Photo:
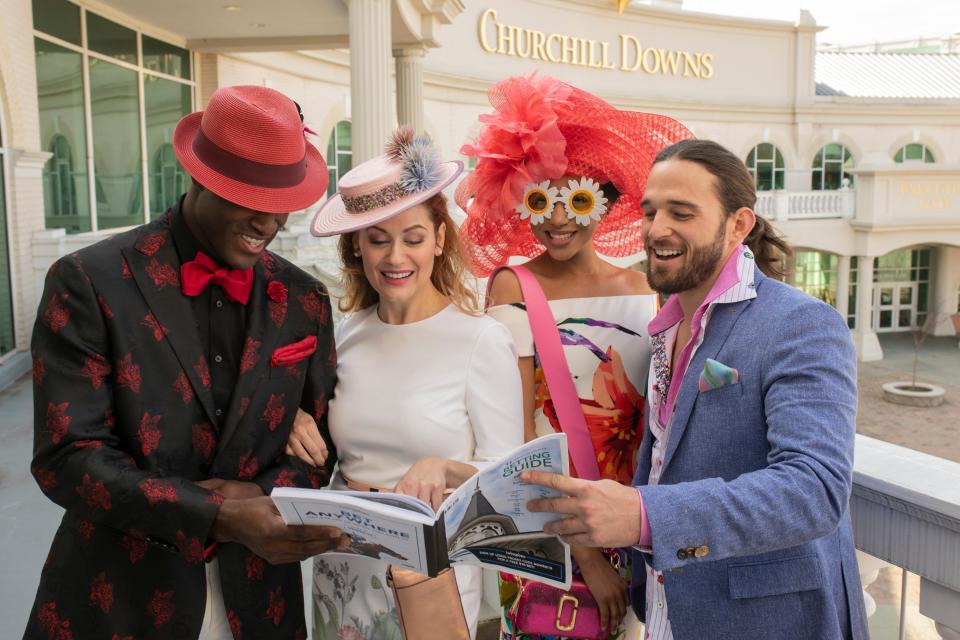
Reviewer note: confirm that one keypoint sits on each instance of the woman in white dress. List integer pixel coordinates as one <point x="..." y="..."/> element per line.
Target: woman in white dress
<point x="573" y="191"/>
<point x="427" y="388"/>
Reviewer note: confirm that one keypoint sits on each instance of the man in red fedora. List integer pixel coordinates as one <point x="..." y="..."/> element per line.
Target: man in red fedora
<point x="168" y="363"/>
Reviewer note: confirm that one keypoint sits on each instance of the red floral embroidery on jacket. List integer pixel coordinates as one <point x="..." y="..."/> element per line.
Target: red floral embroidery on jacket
<point x="135" y="547"/>
<point x="151" y="243"/>
<point x="161" y="607"/>
<point x="312" y="306"/>
<point x="162" y="274"/>
<point x="203" y="371"/>
<point x="56" y="315"/>
<point x="95" y="494"/>
<point x="158" y="491"/>
<point x="235" y="626"/>
<point x="182" y="388"/>
<point x="57" y="420"/>
<point x="204" y="440"/>
<point x="244" y="403"/>
<point x="51" y="624"/>
<point x="278" y="310"/>
<point x="150" y="322"/>
<point x="248" y="467"/>
<point x="104" y="309"/>
<point x="149" y="433"/>
<point x="190" y="547"/>
<point x="319" y="408"/>
<point x="277" y="606"/>
<point x="46" y="479"/>
<point x="125" y="269"/>
<point x="254" y="566"/>
<point x="86" y="529"/>
<point x="95" y="369"/>
<point x="101" y="592"/>
<point x="39" y="371"/>
<point x="128" y="373"/>
<point x="250" y="354"/>
<point x="273" y="414"/>
<point x="286" y="478"/>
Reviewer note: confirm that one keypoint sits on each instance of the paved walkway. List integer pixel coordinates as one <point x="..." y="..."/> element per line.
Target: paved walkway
<point x="28" y="520"/>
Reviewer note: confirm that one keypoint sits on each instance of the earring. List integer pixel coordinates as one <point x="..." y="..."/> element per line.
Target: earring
<point x="439" y="252"/>
<point x="356" y="254"/>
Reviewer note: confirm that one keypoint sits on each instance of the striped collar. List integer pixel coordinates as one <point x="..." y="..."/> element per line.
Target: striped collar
<point x="734" y="284"/>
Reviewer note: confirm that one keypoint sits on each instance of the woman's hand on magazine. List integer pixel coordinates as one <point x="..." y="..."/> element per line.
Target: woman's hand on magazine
<point x="305" y="440"/>
<point x="426" y="479"/>
<point x="605" y="584"/>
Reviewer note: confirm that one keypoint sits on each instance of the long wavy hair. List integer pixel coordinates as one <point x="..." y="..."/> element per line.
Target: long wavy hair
<point x="449" y="274"/>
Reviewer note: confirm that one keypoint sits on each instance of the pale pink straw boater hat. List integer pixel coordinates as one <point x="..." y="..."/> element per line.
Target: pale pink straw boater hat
<point x="409" y="172"/>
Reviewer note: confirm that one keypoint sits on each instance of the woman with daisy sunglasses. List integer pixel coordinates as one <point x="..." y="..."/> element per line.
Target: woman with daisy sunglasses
<point x="559" y="179"/>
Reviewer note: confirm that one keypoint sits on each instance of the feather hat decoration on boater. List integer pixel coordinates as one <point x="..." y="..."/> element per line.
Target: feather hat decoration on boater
<point x="542" y="129"/>
<point x="408" y="173"/>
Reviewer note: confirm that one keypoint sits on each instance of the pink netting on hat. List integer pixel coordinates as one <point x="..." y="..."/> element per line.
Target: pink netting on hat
<point x="543" y="129"/>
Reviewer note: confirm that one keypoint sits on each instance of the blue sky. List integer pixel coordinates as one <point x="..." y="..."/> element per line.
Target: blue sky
<point x="851" y="21"/>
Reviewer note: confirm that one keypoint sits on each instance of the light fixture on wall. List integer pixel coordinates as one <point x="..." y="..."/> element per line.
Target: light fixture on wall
<point x="231" y="7"/>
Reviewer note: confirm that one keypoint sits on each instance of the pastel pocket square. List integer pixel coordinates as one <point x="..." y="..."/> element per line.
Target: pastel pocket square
<point x="716" y="374"/>
<point x="294" y="352"/>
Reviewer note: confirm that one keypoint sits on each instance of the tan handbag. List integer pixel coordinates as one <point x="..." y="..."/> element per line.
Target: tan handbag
<point x="428" y="607"/>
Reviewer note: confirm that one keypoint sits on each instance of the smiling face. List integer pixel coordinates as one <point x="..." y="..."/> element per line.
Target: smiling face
<point x="562" y="237"/>
<point x="233" y="234"/>
<point x="398" y="255"/>
<point x="686" y="232"/>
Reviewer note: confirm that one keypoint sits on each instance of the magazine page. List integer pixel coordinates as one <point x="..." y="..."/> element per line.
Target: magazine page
<point x="400" y="536"/>
<point x="487" y="521"/>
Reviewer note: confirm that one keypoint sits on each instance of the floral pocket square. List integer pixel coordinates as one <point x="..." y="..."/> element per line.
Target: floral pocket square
<point x="716" y="374"/>
<point x="294" y="352"/>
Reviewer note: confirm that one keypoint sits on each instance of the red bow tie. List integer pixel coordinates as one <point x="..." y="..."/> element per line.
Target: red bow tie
<point x="197" y="275"/>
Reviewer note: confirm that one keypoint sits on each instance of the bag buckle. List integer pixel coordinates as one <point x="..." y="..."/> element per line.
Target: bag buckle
<point x="575" y="602"/>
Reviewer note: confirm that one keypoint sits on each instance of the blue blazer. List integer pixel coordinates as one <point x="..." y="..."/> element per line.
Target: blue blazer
<point x="757" y="476"/>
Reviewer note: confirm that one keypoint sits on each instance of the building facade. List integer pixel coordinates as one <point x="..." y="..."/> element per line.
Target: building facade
<point x="856" y="154"/>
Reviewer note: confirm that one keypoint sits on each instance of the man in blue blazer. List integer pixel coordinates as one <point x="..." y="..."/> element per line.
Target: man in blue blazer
<point x="740" y="515"/>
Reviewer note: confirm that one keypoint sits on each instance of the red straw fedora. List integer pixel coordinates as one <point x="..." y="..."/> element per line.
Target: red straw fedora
<point x="249" y="147"/>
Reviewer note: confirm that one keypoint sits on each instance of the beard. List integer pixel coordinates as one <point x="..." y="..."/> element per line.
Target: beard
<point x="701" y="263"/>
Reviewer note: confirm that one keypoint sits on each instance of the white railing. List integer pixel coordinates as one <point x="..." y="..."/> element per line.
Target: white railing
<point x="806" y="205"/>
<point x="906" y="513"/>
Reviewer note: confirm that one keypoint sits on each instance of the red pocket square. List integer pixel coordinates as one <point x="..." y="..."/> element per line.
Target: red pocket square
<point x="293" y="352"/>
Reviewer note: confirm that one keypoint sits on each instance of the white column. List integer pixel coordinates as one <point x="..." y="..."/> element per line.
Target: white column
<point x="370" y="93"/>
<point x="864" y="337"/>
<point x="410" y="86"/>
<point x="843" y="286"/>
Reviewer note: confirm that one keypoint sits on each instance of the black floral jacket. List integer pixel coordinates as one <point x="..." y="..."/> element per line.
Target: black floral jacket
<point x="123" y="427"/>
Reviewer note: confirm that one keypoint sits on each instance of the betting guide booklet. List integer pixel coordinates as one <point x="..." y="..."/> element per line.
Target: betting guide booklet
<point x="485" y="521"/>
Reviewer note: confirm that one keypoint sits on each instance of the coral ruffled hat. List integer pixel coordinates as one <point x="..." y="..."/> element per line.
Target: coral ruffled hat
<point x="542" y="129"/>
<point x="249" y="147"/>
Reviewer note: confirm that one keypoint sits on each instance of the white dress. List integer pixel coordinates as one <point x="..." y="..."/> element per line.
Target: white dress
<point x="445" y="386"/>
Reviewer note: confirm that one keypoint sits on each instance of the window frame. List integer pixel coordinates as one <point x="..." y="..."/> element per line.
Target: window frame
<point x="87" y="54"/>
<point x="926" y="155"/>
<point x="821" y="170"/>
<point x="333" y="162"/>
<point x="778" y="171"/>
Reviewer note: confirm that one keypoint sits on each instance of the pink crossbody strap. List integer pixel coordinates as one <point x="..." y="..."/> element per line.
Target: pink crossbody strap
<point x="546" y="337"/>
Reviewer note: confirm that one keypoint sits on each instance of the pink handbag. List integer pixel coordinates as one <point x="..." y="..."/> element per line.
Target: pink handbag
<point x="540" y="609"/>
<point x="547" y="611"/>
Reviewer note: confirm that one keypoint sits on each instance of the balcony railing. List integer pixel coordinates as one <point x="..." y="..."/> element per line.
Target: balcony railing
<point x="806" y="205"/>
<point x="906" y="512"/>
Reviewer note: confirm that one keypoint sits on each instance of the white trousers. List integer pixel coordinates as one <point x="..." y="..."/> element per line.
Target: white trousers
<point x="215" y="624"/>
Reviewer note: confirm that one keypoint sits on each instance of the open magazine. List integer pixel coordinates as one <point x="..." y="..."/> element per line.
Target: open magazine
<point x="485" y="521"/>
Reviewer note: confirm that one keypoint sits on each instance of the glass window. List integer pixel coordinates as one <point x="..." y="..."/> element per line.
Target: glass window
<point x="6" y="294"/>
<point x="115" y="111"/>
<point x="165" y="58"/>
<point x="830" y="167"/>
<point x="339" y="154"/>
<point x="63" y="133"/>
<point x="59" y="18"/>
<point x="165" y="102"/>
<point x="111" y="39"/>
<point x="852" y="300"/>
<point x="816" y="274"/>
<point x="914" y="152"/>
<point x="766" y="164"/>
